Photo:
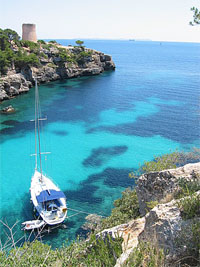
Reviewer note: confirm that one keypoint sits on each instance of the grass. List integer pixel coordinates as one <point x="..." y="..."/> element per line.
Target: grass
<point x="189" y="202"/>
<point x="190" y="206"/>
<point x="95" y="252"/>
<point x="146" y="255"/>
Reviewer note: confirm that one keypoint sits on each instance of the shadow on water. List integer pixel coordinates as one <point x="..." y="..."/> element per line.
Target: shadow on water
<point x="100" y="155"/>
<point x="163" y="123"/>
<point x="111" y="177"/>
<point x="10" y="122"/>
<point x="61" y="133"/>
<point x="18" y="129"/>
<point x="59" y="105"/>
<point x="86" y="92"/>
<point x="85" y="193"/>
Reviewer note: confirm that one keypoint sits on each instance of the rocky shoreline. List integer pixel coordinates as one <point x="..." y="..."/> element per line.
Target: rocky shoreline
<point x="80" y="62"/>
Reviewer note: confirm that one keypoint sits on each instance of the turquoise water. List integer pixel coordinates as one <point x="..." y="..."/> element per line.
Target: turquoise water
<point x="101" y="128"/>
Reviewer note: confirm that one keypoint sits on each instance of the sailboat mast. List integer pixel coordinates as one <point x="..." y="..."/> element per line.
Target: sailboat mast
<point x="35" y="125"/>
<point x="38" y="125"/>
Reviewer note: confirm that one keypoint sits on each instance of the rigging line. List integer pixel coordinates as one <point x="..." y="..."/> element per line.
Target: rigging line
<point x="38" y="130"/>
<point x="35" y="127"/>
<point x="80" y="211"/>
<point x="73" y="215"/>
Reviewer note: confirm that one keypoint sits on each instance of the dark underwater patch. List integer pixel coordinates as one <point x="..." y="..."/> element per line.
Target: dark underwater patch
<point x="111" y="177"/>
<point x="101" y="155"/>
<point x="114" y="177"/>
<point x="164" y="123"/>
<point x="10" y="122"/>
<point x="84" y="194"/>
<point x="18" y="128"/>
<point x="61" y="133"/>
<point x="50" y="85"/>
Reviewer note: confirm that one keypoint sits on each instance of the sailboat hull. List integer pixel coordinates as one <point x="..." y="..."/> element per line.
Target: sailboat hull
<point x="48" y="200"/>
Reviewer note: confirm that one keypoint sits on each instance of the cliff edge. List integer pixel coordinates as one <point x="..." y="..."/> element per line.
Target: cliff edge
<point x="48" y="62"/>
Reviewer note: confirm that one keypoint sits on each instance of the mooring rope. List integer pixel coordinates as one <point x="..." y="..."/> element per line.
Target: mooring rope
<point x="73" y="215"/>
<point x="80" y="211"/>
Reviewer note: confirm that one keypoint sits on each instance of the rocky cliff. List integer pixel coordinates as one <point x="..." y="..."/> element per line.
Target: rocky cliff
<point x="54" y="62"/>
<point x="173" y="225"/>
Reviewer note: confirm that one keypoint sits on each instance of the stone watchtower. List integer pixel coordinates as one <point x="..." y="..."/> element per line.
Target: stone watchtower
<point x="29" y="32"/>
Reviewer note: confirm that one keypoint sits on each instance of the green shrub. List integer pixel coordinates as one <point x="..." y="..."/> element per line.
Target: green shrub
<point x="96" y="252"/>
<point x="12" y="35"/>
<point x="65" y="56"/>
<point x="22" y="59"/>
<point x="46" y="46"/>
<point x="79" y="42"/>
<point x="82" y="56"/>
<point x="41" y="42"/>
<point x="43" y="55"/>
<point x="5" y="63"/>
<point x="189" y="238"/>
<point x="196" y="236"/>
<point x="51" y="65"/>
<point x="146" y="255"/>
<point x="29" y="44"/>
<point x="167" y="161"/>
<point x="126" y="208"/>
<point x="152" y="204"/>
<point x="7" y="37"/>
<point x="187" y="187"/>
<point x="31" y="254"/>
<point x="53" y="42"/>
<point x="190" y="206"/>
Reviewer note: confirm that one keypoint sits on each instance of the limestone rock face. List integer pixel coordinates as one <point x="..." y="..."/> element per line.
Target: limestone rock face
<point x="52" y="68"/>
<point x="162" y="224"/>
<point x="131" y="238"/>
<point x="165" y="228"/>
<point x="13" y="85"/>
<point x="155" y="186"/>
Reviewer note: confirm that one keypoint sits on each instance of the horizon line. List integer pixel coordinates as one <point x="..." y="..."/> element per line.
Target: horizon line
<point x="120" y="39"/>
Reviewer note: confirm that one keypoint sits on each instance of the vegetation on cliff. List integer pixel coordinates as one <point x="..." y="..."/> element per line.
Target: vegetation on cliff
<point x="93" y="252"/>
<point x="18" y="54"/>
<point x="13" y="52"/>
<point x="22" y="61"/>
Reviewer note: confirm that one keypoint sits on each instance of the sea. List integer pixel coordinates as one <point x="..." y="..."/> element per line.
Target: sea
<point x="99" y="129"/>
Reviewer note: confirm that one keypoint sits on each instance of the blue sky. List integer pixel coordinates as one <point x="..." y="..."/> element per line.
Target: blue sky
<point x="162" y="20"/>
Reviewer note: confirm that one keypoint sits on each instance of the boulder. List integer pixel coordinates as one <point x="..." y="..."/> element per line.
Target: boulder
<point x="93" y="222"/>
<point x="13" y="85"/>
<point x="3" y="95"/>
<point x="155" y="186"/>
<point x="130" y="236"/>
<point x="165" y="228"/>
<point x="8" y="109"/>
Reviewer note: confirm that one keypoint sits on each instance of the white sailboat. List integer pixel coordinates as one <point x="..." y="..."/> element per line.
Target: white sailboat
<point x="47" y="198"/>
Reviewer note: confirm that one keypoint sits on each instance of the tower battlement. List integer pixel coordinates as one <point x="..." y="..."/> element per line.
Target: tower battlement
<point x="29" y="32"/>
